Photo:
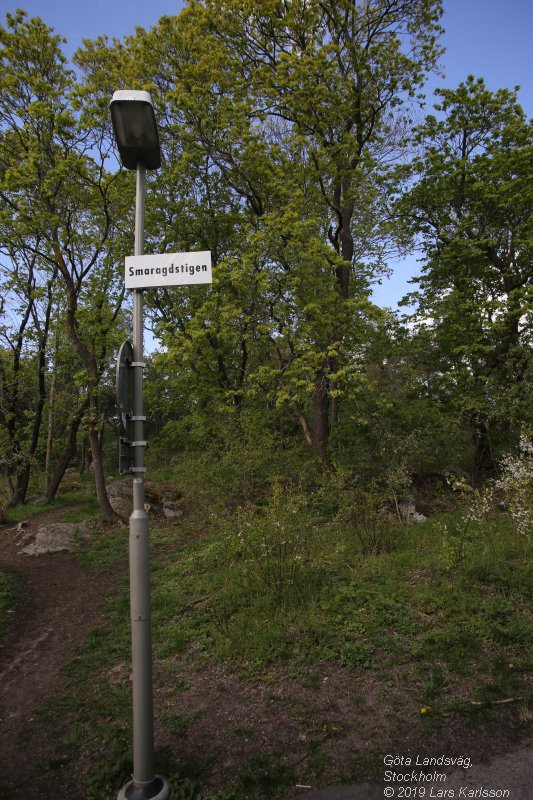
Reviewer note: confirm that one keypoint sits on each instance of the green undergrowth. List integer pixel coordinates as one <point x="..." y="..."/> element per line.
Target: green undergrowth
<point x="276" y="584"/>
<point x="78" y="498"/>
<point x="108" y="550"/>
<point x="282" y="586"/>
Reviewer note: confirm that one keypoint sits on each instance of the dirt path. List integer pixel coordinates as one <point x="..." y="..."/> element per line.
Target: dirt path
<point x="61" y="604"/>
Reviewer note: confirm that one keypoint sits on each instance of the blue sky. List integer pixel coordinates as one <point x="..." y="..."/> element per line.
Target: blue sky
<point x="487" y="38"/>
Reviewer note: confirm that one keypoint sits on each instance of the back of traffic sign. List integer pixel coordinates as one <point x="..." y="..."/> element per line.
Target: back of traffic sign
<point x="125" y="406"/>
<point x="125" y="386"/>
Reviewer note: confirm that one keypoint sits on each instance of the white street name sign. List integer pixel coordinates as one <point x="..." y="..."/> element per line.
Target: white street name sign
<point x="168" y="269"/>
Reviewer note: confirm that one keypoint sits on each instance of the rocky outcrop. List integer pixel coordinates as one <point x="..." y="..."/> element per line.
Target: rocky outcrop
<point x="120" y="495"/>
<point x="410" y="514"/>
<point x="162" y="501"/>
<point x="56" y="537"/>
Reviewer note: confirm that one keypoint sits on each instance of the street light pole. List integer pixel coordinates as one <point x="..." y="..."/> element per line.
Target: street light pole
<point x="130" y="115"/>
<point x="141" y="636"/>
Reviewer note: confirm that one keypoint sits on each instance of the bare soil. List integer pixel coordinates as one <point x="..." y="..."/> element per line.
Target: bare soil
<point x="326" y="726"/>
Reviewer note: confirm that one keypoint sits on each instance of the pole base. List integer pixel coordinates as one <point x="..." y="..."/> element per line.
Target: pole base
<point x="156" y="790"/>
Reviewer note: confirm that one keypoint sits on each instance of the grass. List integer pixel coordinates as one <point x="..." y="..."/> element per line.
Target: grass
<point x="349" y="612"/>
<point x="106" y="550"/>
<point x="77" y="495"/>
<point x="440" y="618"/>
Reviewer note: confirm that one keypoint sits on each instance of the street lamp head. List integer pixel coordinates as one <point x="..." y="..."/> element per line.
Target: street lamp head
<point x="135" y="128"/>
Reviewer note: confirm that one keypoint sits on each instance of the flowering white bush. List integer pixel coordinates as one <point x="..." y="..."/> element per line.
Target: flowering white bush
<point x="516" y="483"/>
<point x="480" y="504"/>
<point x="514" y="486"/>
<point x="271" y="544"/>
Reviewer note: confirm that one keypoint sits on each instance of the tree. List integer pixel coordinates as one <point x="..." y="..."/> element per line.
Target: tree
<point x="294" y="109"/>
<point x="26" y="308"/>
<point x="28" y="287"/>
<point x="59" y="206"/>
<point x="471" y="207"/>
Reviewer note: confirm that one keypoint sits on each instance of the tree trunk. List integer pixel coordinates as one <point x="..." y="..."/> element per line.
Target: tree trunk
<point x="50" y="433"/>
<point x="303" y="422"/>
<point x="106" y="508"/>
<point x="24" y="471"/>
<point x="51" y="401"/>
<point x="320" y="429"/>
<point x="68" y="454"/>
<point x="9" y="486"/>
<point x="89" y="360"/>
<point x="21" y="488"/>
<point x="325" y="407"/>
<point x="483" y="458"/>
<point x="85" y="456"/>
<point x="333" y="406"/>
<point x="101" y="431"/>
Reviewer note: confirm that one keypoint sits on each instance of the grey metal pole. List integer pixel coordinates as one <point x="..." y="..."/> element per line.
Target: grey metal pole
<point x="141" y="637"/>
<point x="146" y="785"/>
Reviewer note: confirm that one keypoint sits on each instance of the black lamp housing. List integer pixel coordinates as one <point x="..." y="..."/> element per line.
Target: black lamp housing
<point x="135" y="128"/>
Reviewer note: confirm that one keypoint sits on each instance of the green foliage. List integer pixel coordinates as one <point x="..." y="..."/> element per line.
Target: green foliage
<point x="59" y="208"/>
<point x="229" y="587"/>
<point x="272" y="171"/>
<point x="516" y="485"/>
<point x="439" y="617"/>
<point x="108" y="550"/>
<point x="79" y="495"/>
<point x="462" y="533"/>
<point x="270" y="545"/>
<point x="269" y="169"/>
<point x="471" y="207"/>
<point x="87" y="509"/>
<point x="282" y="571"/>
<point x="291" y="416"/>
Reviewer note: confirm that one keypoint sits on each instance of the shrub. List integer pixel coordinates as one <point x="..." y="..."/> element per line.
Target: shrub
<point x="516" y="485"/>
<point x="271" y="543"/>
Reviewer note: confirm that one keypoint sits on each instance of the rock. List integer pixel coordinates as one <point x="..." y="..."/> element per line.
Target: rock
<point x="158" y="503"/>
<point x="458" y="481"/>
<point x="36" y="500"/>
<point x="410" y="514"/>
<point x="171" y="510"/>
<point x="58" y="536"/>
<point x="120" y="495"/>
